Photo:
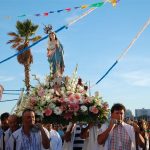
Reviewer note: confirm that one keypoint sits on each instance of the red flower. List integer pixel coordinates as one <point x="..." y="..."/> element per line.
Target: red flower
<point x="47" y="112"/>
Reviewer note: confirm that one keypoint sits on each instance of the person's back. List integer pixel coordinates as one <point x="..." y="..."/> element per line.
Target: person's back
<point x="78" y="142"/>
<point x="90" y="134"/>
<point x="55" y="140"/>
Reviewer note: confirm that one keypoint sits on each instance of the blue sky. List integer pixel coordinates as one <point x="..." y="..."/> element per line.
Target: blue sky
<point x="94" y="43"/>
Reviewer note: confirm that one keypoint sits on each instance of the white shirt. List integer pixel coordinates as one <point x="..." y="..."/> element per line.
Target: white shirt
<point x="55" y="140"/>
<point x="128" y="128"/>
<point x="21" y="140"/>
<point x="91" y="142"/>
<point x="7" y="135"/>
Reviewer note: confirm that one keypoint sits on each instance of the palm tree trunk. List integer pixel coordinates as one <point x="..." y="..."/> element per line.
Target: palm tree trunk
<point x="27" y="76"/>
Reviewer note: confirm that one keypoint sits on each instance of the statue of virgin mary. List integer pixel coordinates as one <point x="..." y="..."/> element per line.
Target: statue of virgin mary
<point x="55" y="55"/>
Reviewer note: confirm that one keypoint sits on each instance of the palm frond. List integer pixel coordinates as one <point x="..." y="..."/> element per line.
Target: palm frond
<point x="15" y="45"/>
<point x="13" y="34"/>
<point x="34" y="39"/>
<point x="16" y="40"/>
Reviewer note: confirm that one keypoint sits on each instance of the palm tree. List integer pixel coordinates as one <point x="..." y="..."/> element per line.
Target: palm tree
<point x="21" y="40"/>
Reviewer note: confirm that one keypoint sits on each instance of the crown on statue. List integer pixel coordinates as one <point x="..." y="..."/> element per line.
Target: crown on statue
<point x="48" y="29"/>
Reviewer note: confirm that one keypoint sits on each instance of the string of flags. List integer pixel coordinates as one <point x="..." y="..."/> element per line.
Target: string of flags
<point x="68" y="9"/>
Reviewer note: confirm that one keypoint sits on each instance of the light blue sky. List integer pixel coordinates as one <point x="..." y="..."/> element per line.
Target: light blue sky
<point x="94" y="43"/>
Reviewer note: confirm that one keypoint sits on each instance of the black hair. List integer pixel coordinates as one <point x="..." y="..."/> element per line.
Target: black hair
<point x="4" y="116"/>
<point x="27" y="110"/>
<point x="118" y="106"/>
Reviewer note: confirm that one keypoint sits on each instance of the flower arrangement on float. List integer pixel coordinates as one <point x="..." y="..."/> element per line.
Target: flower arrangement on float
<point x="64" y="99"/>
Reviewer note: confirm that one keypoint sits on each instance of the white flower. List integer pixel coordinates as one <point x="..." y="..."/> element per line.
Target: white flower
<point x="63" y="89"/>
<point x="69" y="88"/>
<point x="80" y="101"/>
<point x="66" y="100"/>
<point x="42" y="102"/>
<point x="83" y="108"/>
<point x="48" y="98"/>
<point x="98" y="102"/>
<point x="57" y="111"/>
<point x="80" y="89"/>
<point x="38" y="113"/>
<point x="52" y="105"/>
<point x="51" y="91"/>
<point x="51" y="84"/>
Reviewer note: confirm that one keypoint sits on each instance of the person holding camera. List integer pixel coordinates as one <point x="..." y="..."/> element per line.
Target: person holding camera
<point x="30" y="136"/>
<point x="117" y="135"/>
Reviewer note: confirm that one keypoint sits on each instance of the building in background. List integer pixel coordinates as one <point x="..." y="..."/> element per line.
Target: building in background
<point x="142" y="114"/>
<point x="129" y="114"/>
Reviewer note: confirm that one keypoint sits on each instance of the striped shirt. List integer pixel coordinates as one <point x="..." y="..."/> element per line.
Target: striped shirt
<point x="78" y="142"/>
<point x="30" y="143"/>
<point x="22" y="142"/>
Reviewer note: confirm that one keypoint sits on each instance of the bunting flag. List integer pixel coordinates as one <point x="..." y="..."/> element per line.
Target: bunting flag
<point x="113" y="2"/>
<point x="1" y="91"/>
<point x="68" y="9"/>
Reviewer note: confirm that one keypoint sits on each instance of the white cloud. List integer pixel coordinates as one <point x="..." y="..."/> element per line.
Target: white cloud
<point x="6" y="78"/>
<point x="137" y="78"/>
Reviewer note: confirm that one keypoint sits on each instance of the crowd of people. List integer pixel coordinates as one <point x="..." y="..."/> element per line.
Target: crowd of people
<point x="33" y="133"/>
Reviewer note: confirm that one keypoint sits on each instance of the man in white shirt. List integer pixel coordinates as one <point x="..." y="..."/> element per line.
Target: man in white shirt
<point x="55" y="139"/>
<point x="117" y="134"/>
<point x="30" y="136"/>
<point x="13" y="123"/>
<point x="90" y="134"/>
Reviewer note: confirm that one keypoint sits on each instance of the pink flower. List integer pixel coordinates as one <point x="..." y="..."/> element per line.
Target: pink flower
<point x="63" y="107"/>
<point x="33" y="101"/>
<point x="47" y="112"/>
<point x="61" y="100"/>
<point x="94" y="110"/>
<point x="41" y="92"/>
<point x="77" y="96"/>
<point x="74" y="107"/>
<point x="71" y="98"/>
